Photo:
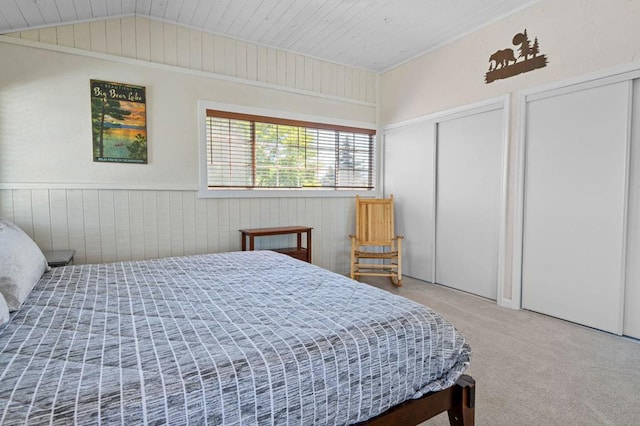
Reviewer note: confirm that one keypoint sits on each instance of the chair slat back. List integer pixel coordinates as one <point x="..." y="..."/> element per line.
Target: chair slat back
<point x="374" y="221"/>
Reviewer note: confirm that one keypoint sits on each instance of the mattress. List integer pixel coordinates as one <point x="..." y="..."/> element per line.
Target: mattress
<point x="241" y="338"/>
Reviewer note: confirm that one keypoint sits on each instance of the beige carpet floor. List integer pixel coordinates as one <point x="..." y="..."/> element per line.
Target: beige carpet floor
<point x="531" y="369"/>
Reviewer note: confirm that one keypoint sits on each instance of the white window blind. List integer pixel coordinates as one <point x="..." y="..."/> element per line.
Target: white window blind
<point x="248" y="151"/>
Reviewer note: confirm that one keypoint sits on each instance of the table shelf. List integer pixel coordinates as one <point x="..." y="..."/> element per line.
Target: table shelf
<point x="299" y="251"/>
<point x="56" y="258"/>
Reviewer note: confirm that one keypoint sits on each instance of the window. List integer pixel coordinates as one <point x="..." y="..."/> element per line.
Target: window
<point x="250" y="151"/>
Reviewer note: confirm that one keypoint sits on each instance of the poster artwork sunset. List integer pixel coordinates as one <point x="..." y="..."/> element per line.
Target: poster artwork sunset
<point x="119" y="122"/>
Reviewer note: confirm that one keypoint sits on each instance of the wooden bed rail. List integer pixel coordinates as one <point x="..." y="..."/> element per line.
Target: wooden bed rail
<point x="458" y="400"/>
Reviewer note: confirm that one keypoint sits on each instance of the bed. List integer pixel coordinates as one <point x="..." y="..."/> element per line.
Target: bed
<point x="232" y="338"/>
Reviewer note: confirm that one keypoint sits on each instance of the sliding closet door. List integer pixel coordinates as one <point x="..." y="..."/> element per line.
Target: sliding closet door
<point x="408" y="166"/>
<point x="632" y="290"/>
<point x="469" y="176"/>
<point x="574" y="205"/>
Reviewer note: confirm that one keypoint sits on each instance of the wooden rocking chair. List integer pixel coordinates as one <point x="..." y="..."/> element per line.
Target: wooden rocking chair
<point x="375" y="239"/>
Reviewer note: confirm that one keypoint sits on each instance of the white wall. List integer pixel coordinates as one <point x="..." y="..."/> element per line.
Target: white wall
<point x="51" y="187"/>
<point x="105" y="225"/>
<point x="46" y="116"/>
<point x="578" y="37"/>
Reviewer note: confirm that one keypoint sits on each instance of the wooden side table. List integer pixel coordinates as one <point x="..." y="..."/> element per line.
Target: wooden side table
<point x="299" y="252"/>
<point x="57" y="258"/>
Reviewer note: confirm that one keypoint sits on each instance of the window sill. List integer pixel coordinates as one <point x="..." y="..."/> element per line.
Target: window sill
<point x="282" y="193"/>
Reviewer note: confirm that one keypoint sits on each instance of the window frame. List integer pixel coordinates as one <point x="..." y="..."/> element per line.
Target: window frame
<point x="206" y="192"/>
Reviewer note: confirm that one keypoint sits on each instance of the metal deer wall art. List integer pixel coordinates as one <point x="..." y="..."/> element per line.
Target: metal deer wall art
<point x="504" y="63"/>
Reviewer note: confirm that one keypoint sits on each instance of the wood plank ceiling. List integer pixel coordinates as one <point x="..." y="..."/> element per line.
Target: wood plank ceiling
<point x="371" y="34"/>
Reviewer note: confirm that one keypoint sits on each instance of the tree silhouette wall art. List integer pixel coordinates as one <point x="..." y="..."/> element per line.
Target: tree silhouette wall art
<point x="504" y="63"/>
<point x="119" y="122"/>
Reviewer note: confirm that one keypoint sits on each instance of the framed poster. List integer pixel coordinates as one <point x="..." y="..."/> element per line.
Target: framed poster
<point x="119" y="122"/>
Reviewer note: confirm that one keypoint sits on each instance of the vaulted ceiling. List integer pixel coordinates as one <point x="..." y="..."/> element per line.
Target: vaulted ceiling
<point x="372" y="34"/>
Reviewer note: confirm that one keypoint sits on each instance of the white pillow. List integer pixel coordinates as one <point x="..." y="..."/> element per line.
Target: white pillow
<point x="4" y="311"/>
<point x="21" y="264"/>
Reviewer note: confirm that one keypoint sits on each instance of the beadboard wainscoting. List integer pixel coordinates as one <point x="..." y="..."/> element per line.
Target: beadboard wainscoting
<point x="160" y="42"/>
<point x="107" y="225"/>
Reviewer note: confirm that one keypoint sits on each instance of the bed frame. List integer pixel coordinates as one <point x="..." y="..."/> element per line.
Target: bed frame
<point x="458" y="400"/>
